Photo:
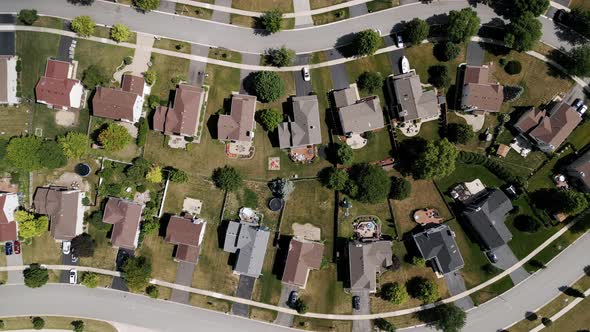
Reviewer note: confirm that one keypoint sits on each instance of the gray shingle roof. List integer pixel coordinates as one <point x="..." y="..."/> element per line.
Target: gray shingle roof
<point x="438" y="245"/>
<point x="365" y="115"/>
<point x="413" y="101"/>
<point x="250" y="243"/>
<point x="365" y="260"/>
<point x="487" y="215"/>
<point x="304" y="128"/>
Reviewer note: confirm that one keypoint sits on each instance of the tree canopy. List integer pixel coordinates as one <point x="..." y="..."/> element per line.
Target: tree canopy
<point x="449" y="317"/>
<point x="227" y="178"/>
<point x="370" y="81"/>
<point x="384" y="325"/>
<point x="150" y="76"/>
<point x="271" y="21"/>
<point x="535" y="7"/>
<point x="417" y="30"/>
<point x="571" y="202"/>
<point x="146" y="5"/>
<point x="114" y="137"/>
<point x="523" y="32"/>
<point x="83" y="25"/>
<point x="334" y="178"/>
<point x="136" y="271"/>
<point x="28" y="16"/>
<point x="423" y="289"/>
<point x="460" y="133"/>
<point x="23" y="152"/>
<point x="395" y="293"/>
<point x="270" y="119"/>
<point x="155" y="175"/>
<point x="178" y="176"/>
<point x="269" y="86"/>
<point x="436" y="161"/>
<point x="342" y="153"/>
<point x="446" y="51"/>
<point x="366" y="42"/>
<point x="439" y="76"/>
<point x="94" y="76"/>
<point x="74" y="144"/>
<point x="83" y="245"/>
<point x="38" y="323"/>
<point x="280" y="57"/>
<point x="77" y="325"/>
<point x="372" y="183"/>
<point x="526" y="223"/>
<point x="30" y="226"/>
<point x="35" y="276"/>
<point x="578" y="62"/>
<point x="51" y="155"/>
<point x="400" y="188"/>
<point x="579" y="20"/>
<point x="120" y="32"/>
<point x="463" y="25"/>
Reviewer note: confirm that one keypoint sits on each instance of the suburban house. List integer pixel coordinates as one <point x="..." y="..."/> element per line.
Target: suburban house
<point x="125" y="216"/>
<point x="57" y="88"/>
<point x="182" y="118"/>
<point x="486" y="215"/>
<point x="579" y="170"/>
<point x="249" y="242"/>
<point x="365" y="261"/>
<point x="358" y="115"/>
<point x="411" y="102"/>
<point x="8" y="80"/>
<point x="121" y="104"/>
<point x="187" y="234"/>
<point x="479" y="93"/>
<point x="64" y="209"/>
<point x="8" y="227"/>
<point x="238" y="126"/>
<point x="438" y="246"/>
<point x="549" y="129"/>
<point x="303" y="256"/>
<point x="303" y="127"/>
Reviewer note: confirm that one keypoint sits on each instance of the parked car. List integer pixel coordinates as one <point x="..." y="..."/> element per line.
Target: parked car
<point x="16" y="247"/>
<point x="73" y="276"/>
<point x="66" y="246"/>
<point x="399" y="41"/>
<point x="356" y="302"/>
<point x="306" y="76"/>
<point x="577" y="103"/>
<point x="559" y="15"/>
<point x="74" y="257"/>
<point x="8" y="248"/>
<point x="582" y="109"/>
<point x="492" y="257"/>
<point x="293" y="297"/>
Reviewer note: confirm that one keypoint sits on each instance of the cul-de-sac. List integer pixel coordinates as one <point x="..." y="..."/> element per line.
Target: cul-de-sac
<point x="283" y="165"/>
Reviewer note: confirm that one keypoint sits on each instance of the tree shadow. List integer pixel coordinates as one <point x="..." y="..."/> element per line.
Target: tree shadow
<point x="571" y="291"/>
<point x="411" y="148"/>
<point x="567" y="34"/>
<point x="345" y="46"/>
<point x="560" y="57"/>
<point x="249" y="85"/>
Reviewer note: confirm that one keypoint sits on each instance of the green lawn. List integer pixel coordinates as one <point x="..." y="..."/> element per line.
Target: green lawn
<point x="196" y="12"/>
<point x="329" y="17"/>
<point x="168" y="68"/>
<point x="254" y="195"/>
<point x="49" y="22"/>
<point x="56" y="322"/>
<point x="34" y="49"/>
<point x="543" y="178"/>
<point x="42" y="249"/>
<point x="584" y="4"/>
<point x="106" y="56"/>
<point x="323" y="325"/>
<point x="315" y="4"/>
<point x="377" y="5"/>
<point x="127" y="154"/>
<point x="325" y="293"/>
<point x="225" y="55"/>
<point x="285" y="6"/>
<point x="376" y="63"/>
<point x="45" y="118"/>
<point x="159" y="252"/>
<point x="492" y="291"/>
<point x="580" y="138"/>
<point x="378" y="148"/>
<point x="173" y="45"/>
<point x="14" y="121"/>
<point x="104" y="254"/>
<point x="469" y="172"/>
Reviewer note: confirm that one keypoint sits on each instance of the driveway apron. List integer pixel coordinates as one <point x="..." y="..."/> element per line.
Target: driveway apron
<point x="221" y="17"/>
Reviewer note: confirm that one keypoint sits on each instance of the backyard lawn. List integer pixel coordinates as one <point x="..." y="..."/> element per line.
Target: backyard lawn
<point x="378" y="147"/>
<point x="127" y="154"/>
<point x="580" y="137"/>
<point x="254" y="195"/>
<point x="199" y="188"/>
<point x="169" y="71"/>
<point x="45" y="119"/>
<point x="543" y="178"/>
<point x="468" y="172"/>
<point x="33" y="49"/>
<point x="14" y="121"/>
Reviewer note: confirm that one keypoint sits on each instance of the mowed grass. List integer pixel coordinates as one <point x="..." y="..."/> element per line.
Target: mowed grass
<point x="378" y="148"/>
<point x="42" y="249"/>
<point x="45" y="118"/>
<point x="109" y="57"/>
<point x="14" y="121"/>
<point x="584" y="4"/>
<point x="210" y="303"/>
<point x="376" y="63"/>
<point x="173" y="45"/>
<point x="168" y="68"/>
<point x="329" y="17"/>
<point x="267" y="288"/>
<point x="284" y="6"/>
<point x="192" y="11"/>
<point x="56" y="323"/>
<point x="315" y="4"/>
<point x="159" y="252"/>
<point x="314" y="324"/>
<point x="225" y="55"/>
<point x="198" y="188"/>
<point x="254" y="195"/>
<point x="104" y="254"/>
<point x="537" y="78"/>
<point x="377" y="5"/>
<point x="492" y="290"/>
<point x="34" y="49"/>
<point x="421" y="58"/>
<point x="49" y="22"/>
<point x="580" y="137"/>
<point x="324" y="293"/>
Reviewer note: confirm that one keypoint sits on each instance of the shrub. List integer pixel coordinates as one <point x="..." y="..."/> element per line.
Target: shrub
<point x="94" y="76"/>
<point x="400" y="188"/>
<point x="150" y="226"/>
<point x="83" y="25"/>
<point x="280" y="57"/>
<point x="136" y="272"/>
<point x="270" y="119"/>
<point x="546" y="321"/>
<point x="155" y="175"/>
<point x="27" y="16"/>
<point x="334" y="178"/>
<point x="120" y="32"/>
<point x="153" y="101"/>
<point x="38" y="323"/>
<point x="395" y="293"/>
<point x="150" y="76"/>
<point x="438" y="75"/>
<point x="460" y="133"/>
<point x="526" y="223"/>
<point x="77" y="326"/>
<point x="141" y="188"/>
<point x="370" y="81"/>
<point x="269" y="86"/>
<point x="301" y="306"/>
<point x="35" y="276"/>
<point x="227" y="178"/>
<point x="152" y="291"/>
<point x="512" y="93"/>
<point x="271" y="21"/>
<point x="417" y="30"/>
<point x="384" y="325"/>
<point x="372" y="182"/>
<point x="128" y="60"/>
<point x="86" y="201"/>
<point x="147" y="5"/>
<point x="513" y="67"/>
<point x="142" y="132"/>
<point x="395" y="263"/>
<point x="178" y="176"/>
<point x="89" y="279"/>
<point x="423" y="289"/>
<point x="343" y="154"/>
<point x="418" y="261"/>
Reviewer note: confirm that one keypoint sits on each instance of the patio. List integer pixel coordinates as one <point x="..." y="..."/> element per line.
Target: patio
<point x="303" y="154"/>
<point x="427" y="216"/>
<point x="237" y="150"/>
<point x="367" y="227"/>
<point x="177" y="142"/>
<point x="356" y="141"/>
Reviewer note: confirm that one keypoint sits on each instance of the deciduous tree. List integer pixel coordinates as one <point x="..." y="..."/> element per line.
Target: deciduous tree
<point x="269" y="86"/>
<point x="154" y="175"/>
<point x="29" y="226"/>
<point x="77" y="326"/>
<point x="83" y="25"/>
<point x="423" y="289"/>
<point x="370" y="81"/>
<point x="343" y="154"/>
<point x="114" y="137"/>
<point x="400" y="188"/>
<point x="136" y="271"/>
<point x="35" y="276"/>
<point x="150" y="76"/>
<point x="335" y="178"/>
<point x="439" y="76"/>
<point x="271" y="21"/>
<point x="523" y="32"/>
<point x="227" y="178"/>
<point x="178" y="176"/>
<point x="437" y="160"/>
<point x="270" y="119"/>
<point x="578" y="62"/>
<point x="94" y="76"/>
<point x="23" y="153"/>
<point x="27" y="16"/>
<point x="372" y="182"/>
<point x="460" y="133"/>
<point x="52" y="155"/>
<point x="280" y="57"/>
<point x="417" y="30"/>
<point x="449" y="317"/>
<point x="146" y="5"/>
<point x="535" y="7"/>
<point x="74" y="144"/>
<point x="83" y="245"/>
<point x="366" y="42"/>
<point x="463" y="25"/>
<point x="395" y="293"/>
<point x="38" y="323"/>
<point x="120" y="32"/>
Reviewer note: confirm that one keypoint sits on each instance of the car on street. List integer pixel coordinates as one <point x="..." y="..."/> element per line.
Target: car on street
<point x="582" y="109"/>
<point x="8" y="248"/>
<point x="293" y="297"/>
<point x="356" y="302"/>
<point x="399" y="41"/>
<point x="73" y="276"/>
<point x="16" y="247"/>
<point x="66" y="246"/>
<point x="577" y="103"/>
<point x="492" y="256"/>
<point x="305" y="72"/>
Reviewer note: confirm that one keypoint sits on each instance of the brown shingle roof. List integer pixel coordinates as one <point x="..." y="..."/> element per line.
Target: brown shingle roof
<point x="133" y="84"/>
<point x="55" y="87"/>
<point x="479" y="92"/>
<point x="302" y="257"/>
<point x="113" y="104"/>
<point x="239" y="125"/>
<point x="125" y="216"/>
<point x="554" y="129"/>
<point x="63" y="208"/>
<point x="530" y="119"/>
<point x="184" y="116"/>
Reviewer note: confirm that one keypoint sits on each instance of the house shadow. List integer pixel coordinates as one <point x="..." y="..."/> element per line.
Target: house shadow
<point x="341" y="260"/>
<point x="278" y="266"/>
<point x="164" y="221"/>
<point x="221" y="230"/>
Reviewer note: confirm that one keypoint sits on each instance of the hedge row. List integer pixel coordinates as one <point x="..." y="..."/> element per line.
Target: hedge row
<point x="492" y="165"/>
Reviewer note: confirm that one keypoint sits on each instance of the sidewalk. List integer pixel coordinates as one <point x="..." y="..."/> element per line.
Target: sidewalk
<point x="563" y="311"/>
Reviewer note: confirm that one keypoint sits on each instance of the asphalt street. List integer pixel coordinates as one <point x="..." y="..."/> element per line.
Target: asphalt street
<point x="531" y="294"/>
<point x="122" y="307"/>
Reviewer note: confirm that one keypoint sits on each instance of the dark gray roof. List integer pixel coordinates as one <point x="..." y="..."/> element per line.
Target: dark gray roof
<point x="304" y="129"/>
<point x="580" y="169"/>
<point x="414" y="103"/>
<point x="249" y="241"/>
<point x="438" y="245"/>
<point x="365" y="260"/>
<point x="487" y="215"/>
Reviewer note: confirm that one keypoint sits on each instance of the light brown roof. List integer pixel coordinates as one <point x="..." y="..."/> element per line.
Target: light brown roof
<point x="184" y="116"/>
<point x="530" y="119"/>
<point x="503" y="150"/>
<point x="554" y="129"/>
<point x="125" y="216"/>
<point x="133" y="84"/>
<point x="479" y="92"/>
<point x="302" y="257"/>
<point x="239" y="125"/>
<point x="113" y="104"/>
<point x="62" y="207"/>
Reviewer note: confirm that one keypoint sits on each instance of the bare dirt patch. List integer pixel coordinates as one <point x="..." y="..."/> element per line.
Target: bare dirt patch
<point x="307" y="231"/>
<point x="66" y="118"/>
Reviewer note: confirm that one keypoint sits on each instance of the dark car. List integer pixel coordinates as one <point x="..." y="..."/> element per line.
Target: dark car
<point x="16" y="247"/>
<point x="577" y="103"/>
<point x="293" y="297"/>
<point x="492" y="257"/>
<point x="356" y="302"/>
<point x="8" y="248"/>
<point x="560" y="15"/>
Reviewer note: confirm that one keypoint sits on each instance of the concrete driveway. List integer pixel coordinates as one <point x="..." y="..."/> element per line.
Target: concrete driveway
<point x="475" y="54"/>
<point x="15" y="277"/>
<point x="365" y="308"/>
<point x="506" y="259"/>
<point x="196" y="69"/>
<point x="122" y="255"/>
<point x="219" y="16"/>
<point x="456" y="285"/>
<point x="302" y="87"/>
<point x="285" y="319"/>
<point x="184" y="276"/>
<point x="245" y="288"/>
<point x="248" y="58"/>
<point x="63" y="51"/>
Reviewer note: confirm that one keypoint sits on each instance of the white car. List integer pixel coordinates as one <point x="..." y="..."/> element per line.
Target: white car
<point x="582" y="109"/>
<point x="405" y="65"/>
<point x="399" y="41"/>
<point x="306" y="76"/>
<point x="66" y="246"/>
<point x="73" y="277"/>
